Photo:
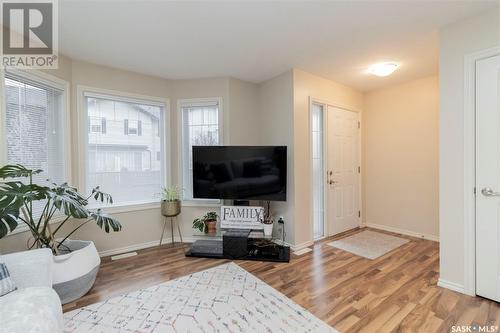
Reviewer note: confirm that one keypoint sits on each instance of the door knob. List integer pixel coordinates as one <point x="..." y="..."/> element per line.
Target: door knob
<point x="488" y="192"/>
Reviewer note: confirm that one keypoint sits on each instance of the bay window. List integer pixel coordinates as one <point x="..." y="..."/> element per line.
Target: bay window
<point x="128" y="159"/>
<point x="200" y="126"/>
<point x="35" y="121"/>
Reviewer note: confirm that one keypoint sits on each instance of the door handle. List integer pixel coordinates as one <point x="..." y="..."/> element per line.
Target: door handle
<point x="488" y="192"/>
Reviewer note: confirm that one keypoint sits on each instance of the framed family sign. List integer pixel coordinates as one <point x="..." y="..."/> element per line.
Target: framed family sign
<point x="241" y="217"/>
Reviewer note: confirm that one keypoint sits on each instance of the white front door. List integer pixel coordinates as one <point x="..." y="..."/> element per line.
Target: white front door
<point x="488" y="178"/>
<point x="342" y="170"/>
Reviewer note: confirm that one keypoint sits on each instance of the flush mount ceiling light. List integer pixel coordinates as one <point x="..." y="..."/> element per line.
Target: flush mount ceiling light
<point x="383" y="68"/>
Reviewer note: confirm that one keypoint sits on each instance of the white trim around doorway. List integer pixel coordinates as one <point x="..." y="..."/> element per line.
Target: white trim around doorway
<point x="470" y="166"/>
<point x="325" y="104"/>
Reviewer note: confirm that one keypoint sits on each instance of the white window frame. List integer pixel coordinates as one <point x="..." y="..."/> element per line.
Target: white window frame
<point x="54" y="82"/>
<point x="86" y="91"/>
<point x="180" y="140"/>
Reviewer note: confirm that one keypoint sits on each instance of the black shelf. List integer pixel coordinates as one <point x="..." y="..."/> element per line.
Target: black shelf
<point x="257" y="249"/>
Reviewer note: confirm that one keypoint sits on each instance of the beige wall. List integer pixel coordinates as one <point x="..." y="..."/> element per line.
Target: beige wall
<point x="457" y="40"/>
<point x="144" y="226"/>
<point x="401" y="161"/>
<point x="306" y="85"/>
<point x="275" y="112"/>
<point x="245" y="116"/>
<point x="276" y="128"/>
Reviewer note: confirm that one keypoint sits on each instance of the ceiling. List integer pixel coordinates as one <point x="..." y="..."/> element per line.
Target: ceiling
<point x="257" y="40"/>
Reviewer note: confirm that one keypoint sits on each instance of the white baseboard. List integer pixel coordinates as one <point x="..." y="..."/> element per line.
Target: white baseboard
<point x="300" y="246"/>
<point x="140" y="246"/>
<point x="402" y="231"/>
<point x="451" y="285"/>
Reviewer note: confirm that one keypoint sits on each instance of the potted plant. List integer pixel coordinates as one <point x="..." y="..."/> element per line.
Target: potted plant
<point x="268" y="221"/>
<point x="207" y="223"/>
<point x="75" y="262"/>
<point x="171" y="203"/>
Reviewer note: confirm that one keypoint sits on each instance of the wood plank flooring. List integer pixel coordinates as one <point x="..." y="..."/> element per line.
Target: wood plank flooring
<point x="394" y="293"/>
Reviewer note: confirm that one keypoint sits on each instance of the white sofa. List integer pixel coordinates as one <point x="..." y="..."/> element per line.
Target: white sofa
<point x="34" y="306"/>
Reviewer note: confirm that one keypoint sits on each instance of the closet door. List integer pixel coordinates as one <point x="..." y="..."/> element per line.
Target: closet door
<point x="488" y="178"/>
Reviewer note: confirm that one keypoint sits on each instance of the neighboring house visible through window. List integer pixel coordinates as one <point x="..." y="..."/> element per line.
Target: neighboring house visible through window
<point x="201" y="126"/>
<point x="126" y="158"/>
<point x="35" y="121"/>
<point x="133" y="127"/>
<point x="97" y="125"/>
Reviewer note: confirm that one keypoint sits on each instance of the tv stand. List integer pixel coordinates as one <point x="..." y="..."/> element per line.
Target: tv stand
<point x="242" y="245"/>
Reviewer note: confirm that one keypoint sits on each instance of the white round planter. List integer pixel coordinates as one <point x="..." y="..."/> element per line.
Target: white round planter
<point x="74" y="273"/>
<point x="268" y="229"/>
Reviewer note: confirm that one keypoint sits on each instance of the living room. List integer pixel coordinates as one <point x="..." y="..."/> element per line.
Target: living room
<point x="215" y="89"/>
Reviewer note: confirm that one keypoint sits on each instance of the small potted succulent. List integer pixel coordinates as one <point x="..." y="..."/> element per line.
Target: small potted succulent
<point x="171" y="203"/>
<point x="268" y="221"/>
<point x="207" y="223"/>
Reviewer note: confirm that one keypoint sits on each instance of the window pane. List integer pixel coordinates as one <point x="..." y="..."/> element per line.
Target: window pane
<point x="200" y="128"/>
<point x="35" y="129"/>
<point x="125" y="159"/>
<point x="318" y="170"/>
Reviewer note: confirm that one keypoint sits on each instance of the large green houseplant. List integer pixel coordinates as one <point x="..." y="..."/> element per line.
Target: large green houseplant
<point x="61" y="201"/>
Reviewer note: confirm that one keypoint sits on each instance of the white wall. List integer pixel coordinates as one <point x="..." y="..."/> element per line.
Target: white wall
<point x="401" y="158"/>
<point x="457" y="40"/>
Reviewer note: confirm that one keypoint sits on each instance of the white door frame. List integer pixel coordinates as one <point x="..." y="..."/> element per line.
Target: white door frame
<point x="470" y="165"/>
<point x="325" y="104"/>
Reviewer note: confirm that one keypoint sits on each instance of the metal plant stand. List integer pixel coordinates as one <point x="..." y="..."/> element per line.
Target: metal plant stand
<point x="171" y="228"/>
<point x="171" y="209"/>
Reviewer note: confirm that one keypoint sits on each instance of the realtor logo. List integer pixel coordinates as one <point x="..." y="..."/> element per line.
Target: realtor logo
<point x="29" y="34"/>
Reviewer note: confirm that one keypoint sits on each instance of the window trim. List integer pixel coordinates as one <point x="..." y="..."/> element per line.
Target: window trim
<point x="82" y="92"/>
<point x="53" y="82"/>
<point x="180" y="140"/>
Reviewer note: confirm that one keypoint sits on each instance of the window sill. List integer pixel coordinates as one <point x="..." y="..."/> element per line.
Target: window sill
<point x="128" y="207"/>
<point x="201" y="203"/>
<point x="22" y="227"/>
<point x="123" y="208"/>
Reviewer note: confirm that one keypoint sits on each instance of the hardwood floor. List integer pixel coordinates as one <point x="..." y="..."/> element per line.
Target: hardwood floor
<point x="394" y="293"/>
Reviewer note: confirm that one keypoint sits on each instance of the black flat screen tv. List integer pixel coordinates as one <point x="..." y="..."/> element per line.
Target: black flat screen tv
<point x="239" y="172"/>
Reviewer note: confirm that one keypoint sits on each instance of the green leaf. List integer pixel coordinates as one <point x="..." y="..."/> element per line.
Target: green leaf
<point x="15" y="194"/>
<point x="8" y="221"/>
<point x="17" y="170"/>
<point x="104" y="220"/>
<point x="101" y="196"/>
<point x="67" y="200"/>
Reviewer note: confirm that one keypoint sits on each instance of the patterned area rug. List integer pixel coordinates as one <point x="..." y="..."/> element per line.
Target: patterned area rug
<point x="225" y="298"/>
<point x="369" y="244"/>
